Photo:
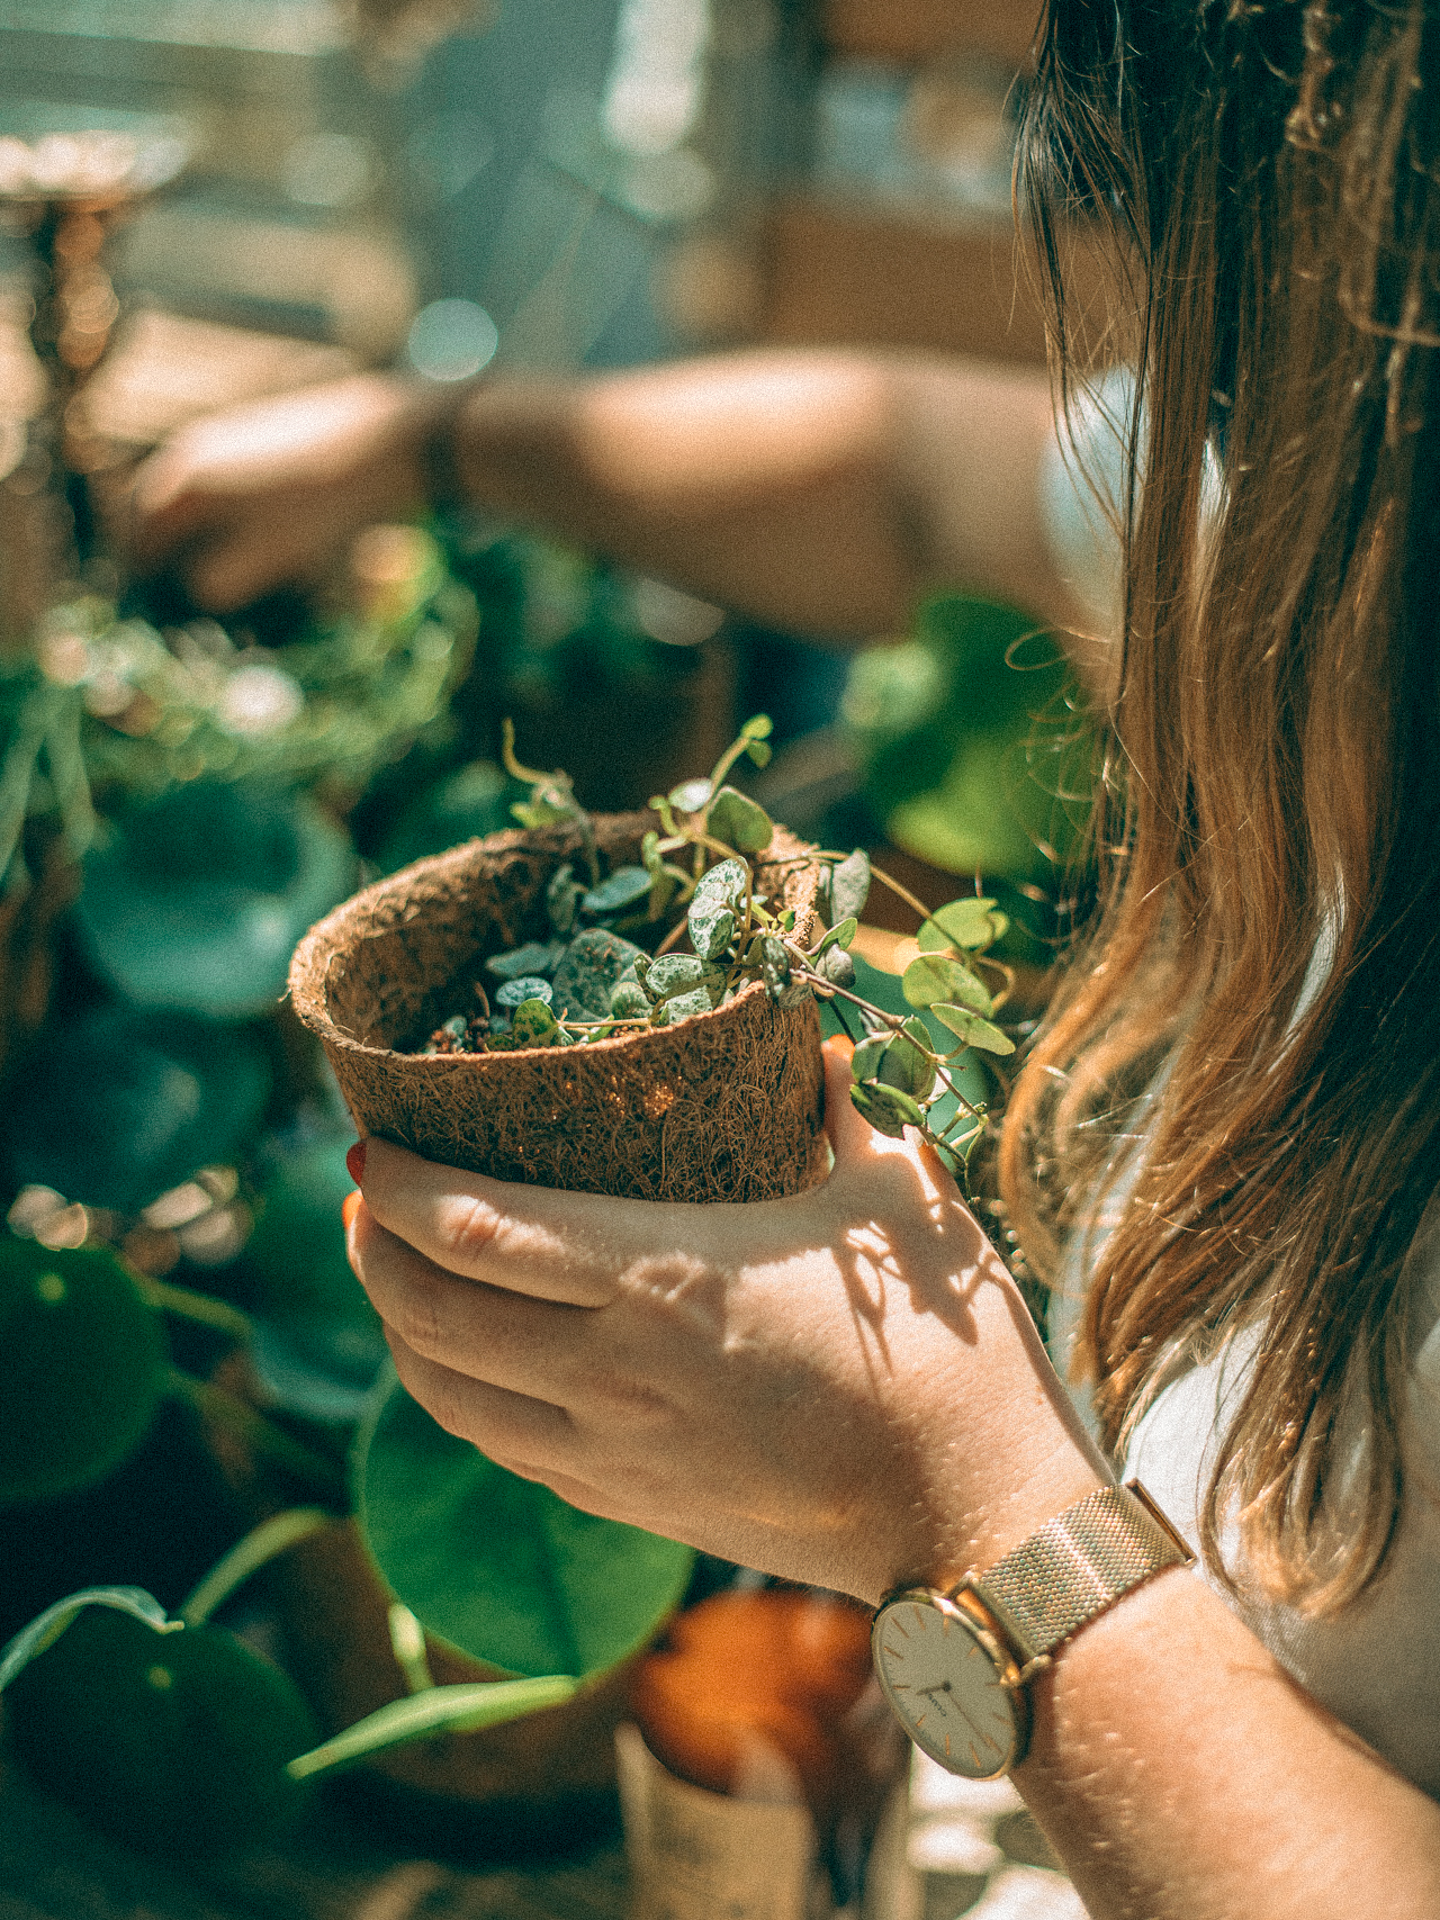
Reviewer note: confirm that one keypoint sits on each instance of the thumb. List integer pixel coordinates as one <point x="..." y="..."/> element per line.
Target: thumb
<point x="850" y="1133"/>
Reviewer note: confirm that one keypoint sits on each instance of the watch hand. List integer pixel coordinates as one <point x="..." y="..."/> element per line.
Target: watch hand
<point x="945" y="1686"/>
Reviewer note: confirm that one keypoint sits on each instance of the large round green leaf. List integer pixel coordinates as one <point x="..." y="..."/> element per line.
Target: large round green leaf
<point x="197" y="899"/>
<point x="169" y="1742"/>
<point x="85" y="1362"/>
<point x="499" y="1566"/>
<point x="123" y="1103"/>
<point x="319" y="1343"/>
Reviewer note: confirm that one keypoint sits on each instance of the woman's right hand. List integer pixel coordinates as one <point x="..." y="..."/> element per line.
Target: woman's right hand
<point x="270" y="494"/>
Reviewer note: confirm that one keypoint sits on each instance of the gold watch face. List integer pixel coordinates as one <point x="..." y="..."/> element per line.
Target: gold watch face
<point x="952" y="1685"/>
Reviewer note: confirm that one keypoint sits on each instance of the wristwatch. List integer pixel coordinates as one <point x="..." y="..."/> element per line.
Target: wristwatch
<point x="955" y="1666"/>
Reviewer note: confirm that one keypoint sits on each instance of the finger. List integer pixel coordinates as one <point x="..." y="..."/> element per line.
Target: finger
<point x="523" y="1435"/>
<point x="572" y="1247"/>
<point x="231" y="571"/>
<point x="526" y="1437"/>
<point x="509" y="1340"/>
<point x="159" y="519"/>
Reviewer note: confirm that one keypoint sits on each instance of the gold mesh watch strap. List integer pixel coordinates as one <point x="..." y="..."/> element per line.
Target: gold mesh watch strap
<point x="1076" y="1565"/>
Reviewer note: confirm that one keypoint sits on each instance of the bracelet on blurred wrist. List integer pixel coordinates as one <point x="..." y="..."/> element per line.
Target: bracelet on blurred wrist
<point x="438" y="456"/>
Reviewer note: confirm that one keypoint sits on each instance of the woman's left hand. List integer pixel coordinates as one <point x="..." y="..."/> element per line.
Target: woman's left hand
<point x="843" y="1388"/>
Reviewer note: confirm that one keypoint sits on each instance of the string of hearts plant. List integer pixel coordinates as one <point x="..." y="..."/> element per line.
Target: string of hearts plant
<point x="682" y="932"/>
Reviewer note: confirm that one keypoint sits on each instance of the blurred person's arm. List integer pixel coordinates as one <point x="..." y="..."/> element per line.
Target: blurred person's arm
<point x="824" y="492"/>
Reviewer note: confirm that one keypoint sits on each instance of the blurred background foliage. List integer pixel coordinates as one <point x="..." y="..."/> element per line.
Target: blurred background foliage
<point x="553" y="185"/>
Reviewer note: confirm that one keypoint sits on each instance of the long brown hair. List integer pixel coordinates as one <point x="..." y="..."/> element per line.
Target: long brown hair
<point x="1270" y="176"/>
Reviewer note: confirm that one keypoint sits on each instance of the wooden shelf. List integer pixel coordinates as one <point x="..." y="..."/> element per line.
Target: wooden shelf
<point x="912" y="31"/>
<point x="850" y="275"/>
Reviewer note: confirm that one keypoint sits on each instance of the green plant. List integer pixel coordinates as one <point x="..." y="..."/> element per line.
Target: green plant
<point x="88" y="1365"/>
<point x="615" y="963"/>
<point x="172" y="1736"/>
<point x="194" y="1743"/>
<point x="501" y="1566"/>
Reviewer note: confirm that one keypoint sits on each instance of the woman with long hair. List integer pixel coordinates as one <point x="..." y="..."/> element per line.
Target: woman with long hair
<point x="1225" y="1139"/>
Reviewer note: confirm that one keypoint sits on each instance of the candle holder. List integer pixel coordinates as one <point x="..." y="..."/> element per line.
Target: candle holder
<point x="68" y="177"/>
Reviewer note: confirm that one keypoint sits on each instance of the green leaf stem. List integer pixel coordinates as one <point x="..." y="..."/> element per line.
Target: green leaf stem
<point x="46" y="1628"/>
<point x="456" y="1709"/>
<point x="261" y="1545"/>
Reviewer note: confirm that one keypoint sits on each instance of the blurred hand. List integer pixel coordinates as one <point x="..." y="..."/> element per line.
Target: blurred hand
<point x="270" y="494"/>
<point x="843" y="1388"/>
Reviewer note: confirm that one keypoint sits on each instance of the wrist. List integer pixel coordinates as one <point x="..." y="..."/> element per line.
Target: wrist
<point x="433" y="423"/>
<point x="1014" y="1507"/>
<point x="1009" y="1450"/>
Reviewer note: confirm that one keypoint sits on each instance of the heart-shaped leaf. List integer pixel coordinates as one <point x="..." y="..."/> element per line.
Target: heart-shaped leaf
<point x="690" y="796"/>
<point x="883" y="990"/>
<point x="674" y="973"/>
<point x="629" y="1000"/>
<point x="712" y="928"/>
<point x="850" y="886"/>
<point x="626" y="887"/>
<point x="500" y="1566"/>
<point x="724" y="881"/>
<point x="536" y="956"/>
<point x="840" y="935"/>
<point x="715" y="908"/>
<point x="837" y="967"/>
<point x="526" y="986"/>
<point x="865" y="1061"/>
<point x="534" y="1025"/>
<point x="974" y="1031"/>
<point x="971" y="923"/>
<point x="887" y="1109"/>
<point x="586" y="977"/>
<point x="736" y="820"/>
<point x="937" y="977"/>
<point x="562" y="899"/>
<point x="905" y="1063"/>
<point x="682" y="1005"/>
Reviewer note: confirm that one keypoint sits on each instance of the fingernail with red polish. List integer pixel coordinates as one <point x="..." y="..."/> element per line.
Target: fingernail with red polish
<point x="355" y="1161"/>
<point x="349" y="1207"/>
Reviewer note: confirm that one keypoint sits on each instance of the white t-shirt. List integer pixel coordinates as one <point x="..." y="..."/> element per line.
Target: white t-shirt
<point x="1376" y="1664"/>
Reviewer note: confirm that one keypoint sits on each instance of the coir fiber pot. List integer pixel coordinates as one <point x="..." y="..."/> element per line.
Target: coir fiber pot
<point x="722" y="1106"/>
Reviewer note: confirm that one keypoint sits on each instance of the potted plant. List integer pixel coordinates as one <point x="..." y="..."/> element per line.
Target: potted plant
<point x="707" y="935"/>
<point x="625" y="1004"/>
<point x="166" y="1732"/>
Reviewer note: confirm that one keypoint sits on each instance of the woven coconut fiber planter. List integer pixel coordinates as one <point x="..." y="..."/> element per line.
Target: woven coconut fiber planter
<point x="721" y="1106"/>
